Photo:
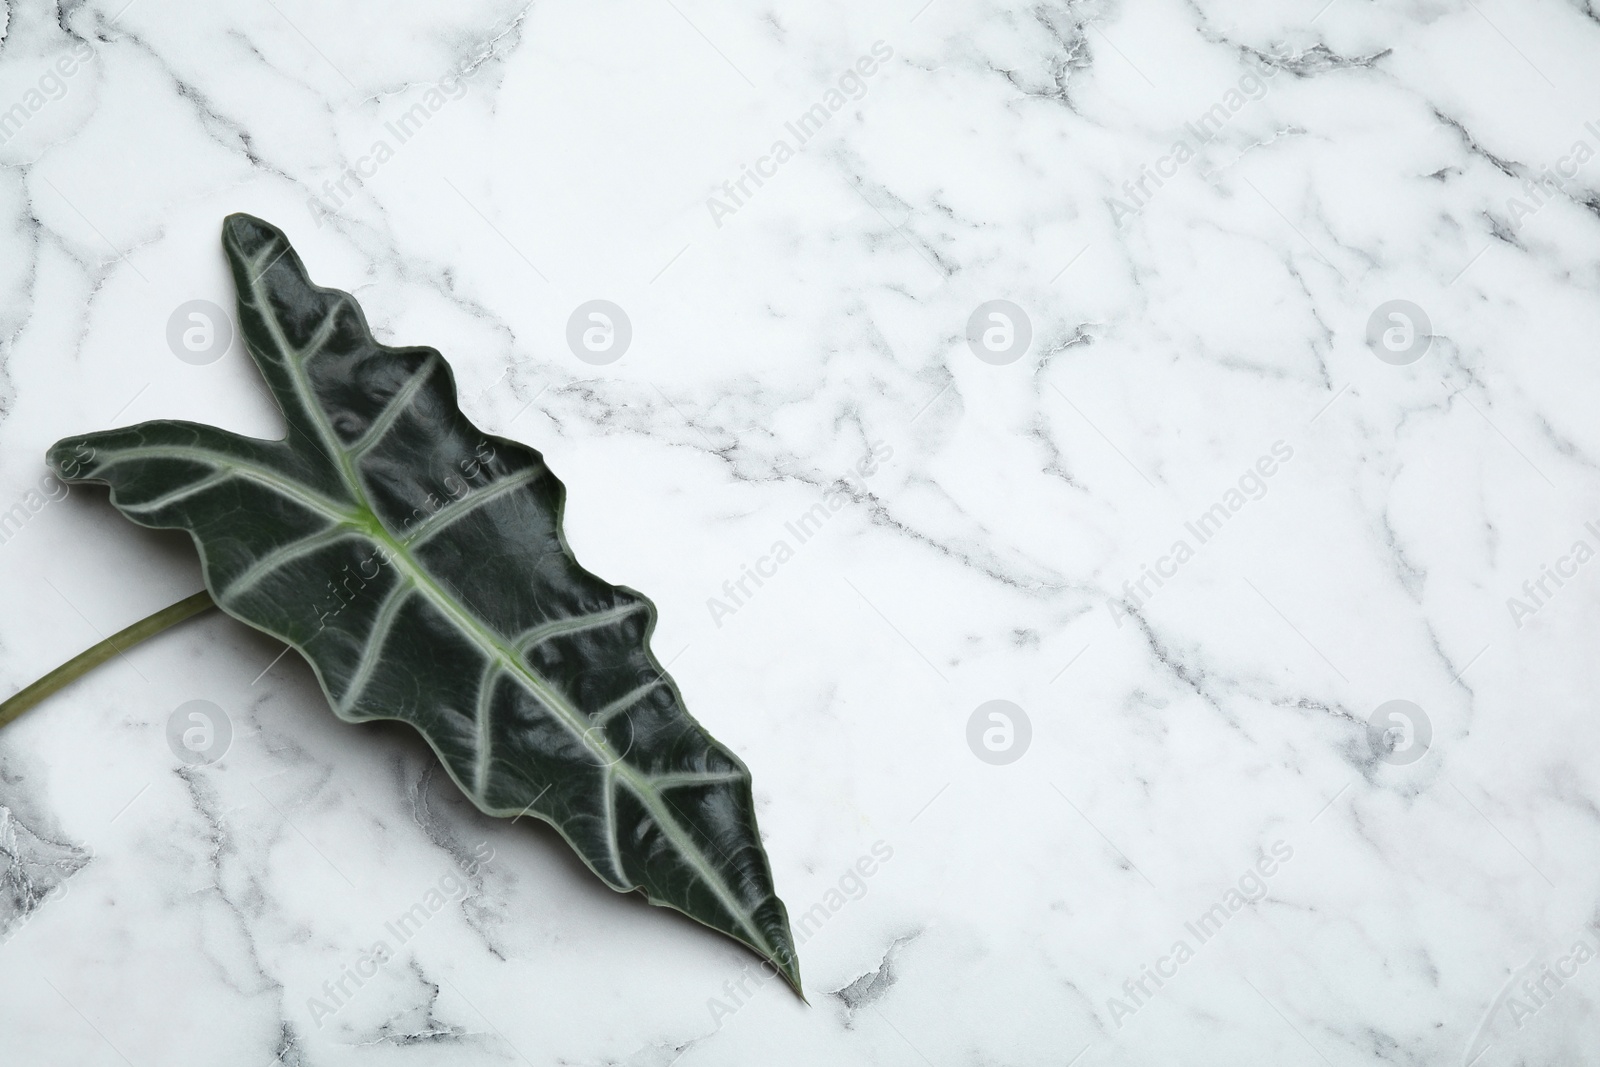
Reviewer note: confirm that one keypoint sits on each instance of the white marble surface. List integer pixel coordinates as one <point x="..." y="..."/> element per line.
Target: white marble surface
<point x="1183" y="737"/>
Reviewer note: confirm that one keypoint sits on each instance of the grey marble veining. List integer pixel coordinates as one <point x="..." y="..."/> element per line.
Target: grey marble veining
<point x="1124" y="476"/>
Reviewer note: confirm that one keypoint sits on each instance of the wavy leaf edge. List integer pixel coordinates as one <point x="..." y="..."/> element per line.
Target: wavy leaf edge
<point x="67" y="458"/>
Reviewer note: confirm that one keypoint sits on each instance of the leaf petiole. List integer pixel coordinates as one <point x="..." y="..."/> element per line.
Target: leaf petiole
<point x="114" y="645"/>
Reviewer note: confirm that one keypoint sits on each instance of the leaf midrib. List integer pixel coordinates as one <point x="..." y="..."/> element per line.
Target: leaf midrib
<point x="448" y="603"/>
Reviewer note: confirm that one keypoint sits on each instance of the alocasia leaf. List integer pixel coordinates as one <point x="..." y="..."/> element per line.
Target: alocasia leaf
<point x="419" y="565"/>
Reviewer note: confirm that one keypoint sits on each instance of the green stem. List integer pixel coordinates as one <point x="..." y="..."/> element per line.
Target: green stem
<point x="114" y="645"/>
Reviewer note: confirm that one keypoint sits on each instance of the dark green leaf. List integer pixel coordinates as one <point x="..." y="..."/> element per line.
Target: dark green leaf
<point x="419" y="565"/>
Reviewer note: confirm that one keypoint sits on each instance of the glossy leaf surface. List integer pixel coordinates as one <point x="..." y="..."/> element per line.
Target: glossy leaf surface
<point x="419" y="565"/>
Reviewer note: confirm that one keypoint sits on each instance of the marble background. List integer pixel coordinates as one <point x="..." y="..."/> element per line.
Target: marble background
<point x="1200" y="214"/>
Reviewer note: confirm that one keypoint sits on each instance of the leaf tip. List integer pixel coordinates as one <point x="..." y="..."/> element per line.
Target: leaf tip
<point x="67" y="457"/>
<point x="788" y="965"/>
<point x="247" y="234"/>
